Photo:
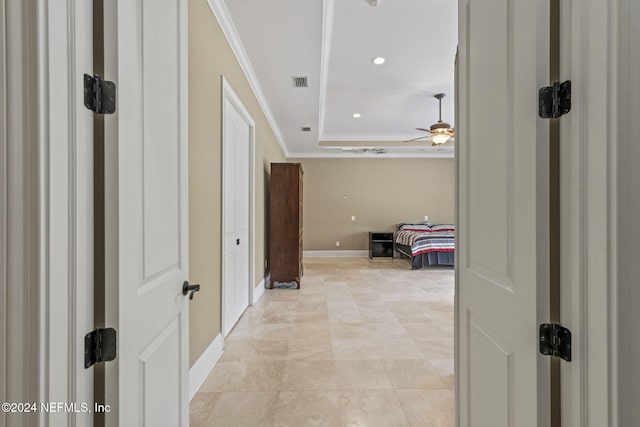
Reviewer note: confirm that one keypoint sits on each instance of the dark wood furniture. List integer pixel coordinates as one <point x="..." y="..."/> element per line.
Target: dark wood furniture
<point x="380" y="244"/>
<point x="285" y="230"/>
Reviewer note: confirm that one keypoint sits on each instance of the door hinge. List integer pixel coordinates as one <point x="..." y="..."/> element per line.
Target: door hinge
<point x="99" y="95"/>
<point x="99" y="346"/>
<point x="555" y="340"/>
<point x="554" y="101"/>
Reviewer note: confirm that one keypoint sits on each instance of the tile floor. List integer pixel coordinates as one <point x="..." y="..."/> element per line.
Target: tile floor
<point x="362" y="343"/>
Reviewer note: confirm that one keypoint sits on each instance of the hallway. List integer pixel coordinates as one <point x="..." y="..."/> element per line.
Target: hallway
<point x="362" y="343"/>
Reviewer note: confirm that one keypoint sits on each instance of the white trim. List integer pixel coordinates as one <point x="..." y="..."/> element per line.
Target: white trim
<point x="221" y="13"/>
<point x="229" y="94"/>
<point x="23" y="192"/>
<point x="204" y="365"/>
<point x="350" y="155"/>
<point x="3" y="211"/>
<point x="375" y="138"/>
<point x="259" y="290"/>
<point x="336" y="254"/>
<point x="327" y="30"/>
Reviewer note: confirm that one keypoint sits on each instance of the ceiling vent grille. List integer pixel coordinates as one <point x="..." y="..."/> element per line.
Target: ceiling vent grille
<point x="305" y="129"/>
<point x="300" y="81"/>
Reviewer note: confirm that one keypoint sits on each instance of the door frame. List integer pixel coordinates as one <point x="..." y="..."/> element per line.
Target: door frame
<point x="228" y="94"/>
<point x="44" y="181"/>
<point x="589" y="211"/>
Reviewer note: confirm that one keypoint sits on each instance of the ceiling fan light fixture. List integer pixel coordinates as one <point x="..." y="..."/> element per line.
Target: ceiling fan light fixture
<point x="439" y="138"/>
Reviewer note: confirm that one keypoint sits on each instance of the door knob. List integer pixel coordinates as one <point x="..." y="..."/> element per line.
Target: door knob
<point x="186" y="288"/>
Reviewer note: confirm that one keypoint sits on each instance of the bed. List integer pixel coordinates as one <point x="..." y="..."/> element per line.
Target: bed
<point x="426" y="244"/>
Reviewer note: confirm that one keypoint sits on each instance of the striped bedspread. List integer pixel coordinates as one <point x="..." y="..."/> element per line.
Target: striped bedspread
<point x="427" y="241"/>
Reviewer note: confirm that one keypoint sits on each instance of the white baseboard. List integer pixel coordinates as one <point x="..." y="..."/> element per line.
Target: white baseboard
<point x="258" y="291"/>
<point x="336" y="254"/>
<point x="203" y="366"/>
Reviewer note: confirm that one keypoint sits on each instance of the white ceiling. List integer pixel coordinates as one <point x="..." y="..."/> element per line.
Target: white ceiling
<point x="333" y="42"/>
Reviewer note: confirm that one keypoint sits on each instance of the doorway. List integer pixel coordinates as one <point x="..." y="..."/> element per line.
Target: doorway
<point x="238" y="140"/>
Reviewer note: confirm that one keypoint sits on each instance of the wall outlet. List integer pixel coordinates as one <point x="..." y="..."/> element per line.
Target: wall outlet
<point x="426" y="217"/>
<point x="353" y="217"/>
<point x="337" y="243"/>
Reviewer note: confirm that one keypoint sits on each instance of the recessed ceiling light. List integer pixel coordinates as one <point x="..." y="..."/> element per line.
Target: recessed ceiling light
<point x="356" y="115"/>
<point x="379" y="60"/>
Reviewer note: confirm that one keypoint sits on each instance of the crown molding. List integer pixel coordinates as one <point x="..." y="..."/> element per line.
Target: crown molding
<point x="221" y="13"/>
<point x="372" y="138"/>
<point x="355" y="156"/>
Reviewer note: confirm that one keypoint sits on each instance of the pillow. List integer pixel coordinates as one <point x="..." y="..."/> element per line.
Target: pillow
<point x="443" y="227"/>
<point x="416" y="227"/>
<point x="403" y="223"/>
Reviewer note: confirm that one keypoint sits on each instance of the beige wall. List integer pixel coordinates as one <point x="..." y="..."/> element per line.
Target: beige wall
<point x="379" y="193"/>
<point x="210" y="57"/>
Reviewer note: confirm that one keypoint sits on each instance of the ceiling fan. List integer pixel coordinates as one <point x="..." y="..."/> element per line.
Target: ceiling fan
<point x="438" y="132"/>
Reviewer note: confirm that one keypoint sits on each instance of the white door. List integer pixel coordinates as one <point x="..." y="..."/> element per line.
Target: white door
<point x="502" y="224"/>
<point x="237" y="128"/>
<point x="147" y="211"/>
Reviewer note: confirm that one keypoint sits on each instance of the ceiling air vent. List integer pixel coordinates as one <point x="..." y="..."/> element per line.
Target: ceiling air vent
<point x="300" y="81"/>
<point x="305" y="129"/>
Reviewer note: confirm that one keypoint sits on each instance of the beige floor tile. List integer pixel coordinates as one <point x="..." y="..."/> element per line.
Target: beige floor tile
<point x="309" y="375"/>
<point x="375" y="314"/>
<point x="218" y="377"/>
<point x="354" y="349"/>
<point x="265" y="350"/>
<point x="313" y="297"/>
<point x="244" y="409"/>
<point x="310" y="333"/>
<point x="272" y="332"/>
<point x="397" y="348"/>
<point x="413" y="374"/>
<point x="428" y="408"/>
<point x="428" y="329"/>
<point x="256" y="375"/>
<point x="318" y="408"/>
<point x="201" y="407"/>
<point x="436" y="348"/>
<point x="360" y="344"/>
<point x="282" y="294"/>
<point x="345" y="316"/>
<point x="361" y="374"/>
<point x="310" y="317"/>
<point x="342" y="331"/>
<point x="286" y="315"/>
<point x="371" y="408"/>
<point x="312" y="306"/>
<point x="322" y="350"/>
<point x="233" y="350"/>
<point x="391" y="329"/>
<point x="445" y="368"/>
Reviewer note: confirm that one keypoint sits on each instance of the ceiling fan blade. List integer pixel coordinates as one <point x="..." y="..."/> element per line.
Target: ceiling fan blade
<point x="415" y="139"/>
<point x="423" y="129"/>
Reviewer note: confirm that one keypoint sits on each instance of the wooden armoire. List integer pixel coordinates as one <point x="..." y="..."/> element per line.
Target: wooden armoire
<point x="285" y="217"/>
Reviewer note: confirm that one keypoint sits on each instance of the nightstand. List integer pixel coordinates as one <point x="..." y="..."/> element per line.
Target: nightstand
<point x="381" y="244"/>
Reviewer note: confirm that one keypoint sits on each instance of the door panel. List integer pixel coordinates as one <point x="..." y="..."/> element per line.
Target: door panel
<point x="236" y="282"/>
<point x="502" y="211"/>
<point x="145" y="45"/>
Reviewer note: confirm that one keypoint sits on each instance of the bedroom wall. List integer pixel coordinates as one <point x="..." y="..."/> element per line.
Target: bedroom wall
<point x="210" y="57"/>
<point x="379" y="193"/>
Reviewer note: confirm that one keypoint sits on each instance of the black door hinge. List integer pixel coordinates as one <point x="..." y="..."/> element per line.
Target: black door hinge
<point x="554" y="101"/>
<point x="99" y="346"/>
<point x="99" y="95"/>
<point x="555" y="340"/>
